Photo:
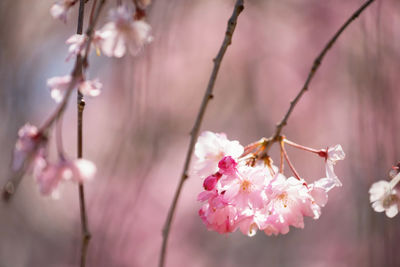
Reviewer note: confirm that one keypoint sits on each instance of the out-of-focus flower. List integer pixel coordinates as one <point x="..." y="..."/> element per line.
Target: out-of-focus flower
<point x="210" y="149"/>
<point x="334" y="154"/>
<point x="28" y="141"/>
<point x="77" y="44"/>
<point x="59" y="86"/>
<point x="60" y="9"/>
<point x="385" y="197"/>
<point x="143" y="3"/>
<point x="49" y="175"/>
<point x="394" y="171"/>
<point x="123" y="33"/>
<point x="90" y="87"/>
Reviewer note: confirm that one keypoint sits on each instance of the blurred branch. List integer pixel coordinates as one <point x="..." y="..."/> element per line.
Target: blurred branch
<point x="195" y="131"/>
<point x="11" y="185"/>
<point x="313" y="70"/>
<point x="81" y="105"/>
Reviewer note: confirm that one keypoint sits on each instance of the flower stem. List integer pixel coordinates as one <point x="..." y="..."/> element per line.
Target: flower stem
<point x="293" y="144"/>
<point x="283" y="150"/>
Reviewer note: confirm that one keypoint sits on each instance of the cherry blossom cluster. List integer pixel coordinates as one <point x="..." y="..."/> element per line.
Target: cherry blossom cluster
<point x="125" y="31"/>
<point x="244" y="190"/>
<point x="385" y="195"/>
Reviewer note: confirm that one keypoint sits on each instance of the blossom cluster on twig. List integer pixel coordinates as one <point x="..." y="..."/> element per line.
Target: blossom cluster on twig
<point x="125" y="32"/>
<point x="244" y="190"/>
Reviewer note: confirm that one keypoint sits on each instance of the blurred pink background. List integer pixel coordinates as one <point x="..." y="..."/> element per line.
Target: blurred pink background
<point x="137" y="130"/>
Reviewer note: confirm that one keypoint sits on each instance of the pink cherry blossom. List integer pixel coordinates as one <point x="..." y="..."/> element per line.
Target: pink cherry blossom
<point x="334" y="154"/>
<point x="227" y="165"/>
<point x="246" y="189"/>
<point x="385" y="197"/>
<point x="48" y="175"/>
<point x="210" y="149"/>
<point x="59" y="86"/>
<point x="249" y="195"/>
<point x="60" y="9"/>
<point x="211" y="181"/>
<point x="123" y="33"/>
<point x="77" y="44"/>
<point x="28" y="141"/>
<point x="220" y="219"/>
<point x="290" y="200"/>
<point x="90" y="87"/>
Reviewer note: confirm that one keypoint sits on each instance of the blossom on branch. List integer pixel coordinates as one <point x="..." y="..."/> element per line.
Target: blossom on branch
<point x="334" y="154"/>
<point x="210" y="149"/>
<point x="49" y="175"/>
<point x="60" y="9"/>
<point x="61" y="84"/>
<point x="29" y="140"/>
<point x="250" y="195"/>
<point x="123" y="33"/>
<point x="77" y="44"/>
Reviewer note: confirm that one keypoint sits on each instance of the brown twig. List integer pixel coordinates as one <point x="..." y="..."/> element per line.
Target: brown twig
<point x="313" y="70"/>
<point x="195" y="131"/>
<point x="80" y="107"/>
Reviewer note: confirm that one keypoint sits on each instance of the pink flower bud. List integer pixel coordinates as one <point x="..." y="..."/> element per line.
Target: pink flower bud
<point x="211" y="181"/>
<point x="227" y="165"/>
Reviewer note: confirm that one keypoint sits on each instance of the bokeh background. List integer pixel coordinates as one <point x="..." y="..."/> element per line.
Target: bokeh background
<point x="137" y="131"/>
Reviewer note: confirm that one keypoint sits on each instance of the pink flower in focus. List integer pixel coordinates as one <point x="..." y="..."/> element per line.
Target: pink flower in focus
<point x="210" y="149"/>
<point x="221" y="219"/>
<point x="250" y="196"/>
<point x="211" y="181"/>
<point x="28" y="141"/>
<point x="227" y="165"/>
<point x="289" y="201"/>
<point x="49" y="175"/>
<point x="123" y="33"/>
<point x="246" y="189"/>
<point x="333" y="154"/>
<point x="384" y="197"/>
<point x="60" y="9"/>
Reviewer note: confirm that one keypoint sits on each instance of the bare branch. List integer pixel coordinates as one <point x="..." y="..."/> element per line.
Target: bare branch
<point x="313" y="70"/>
<point x="239" y="6"/>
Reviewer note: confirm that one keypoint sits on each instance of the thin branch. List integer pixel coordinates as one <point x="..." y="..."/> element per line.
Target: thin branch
<point x="195" y="131"/>
<point x="314" y="68"/>
<point x="80" y="107"/>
